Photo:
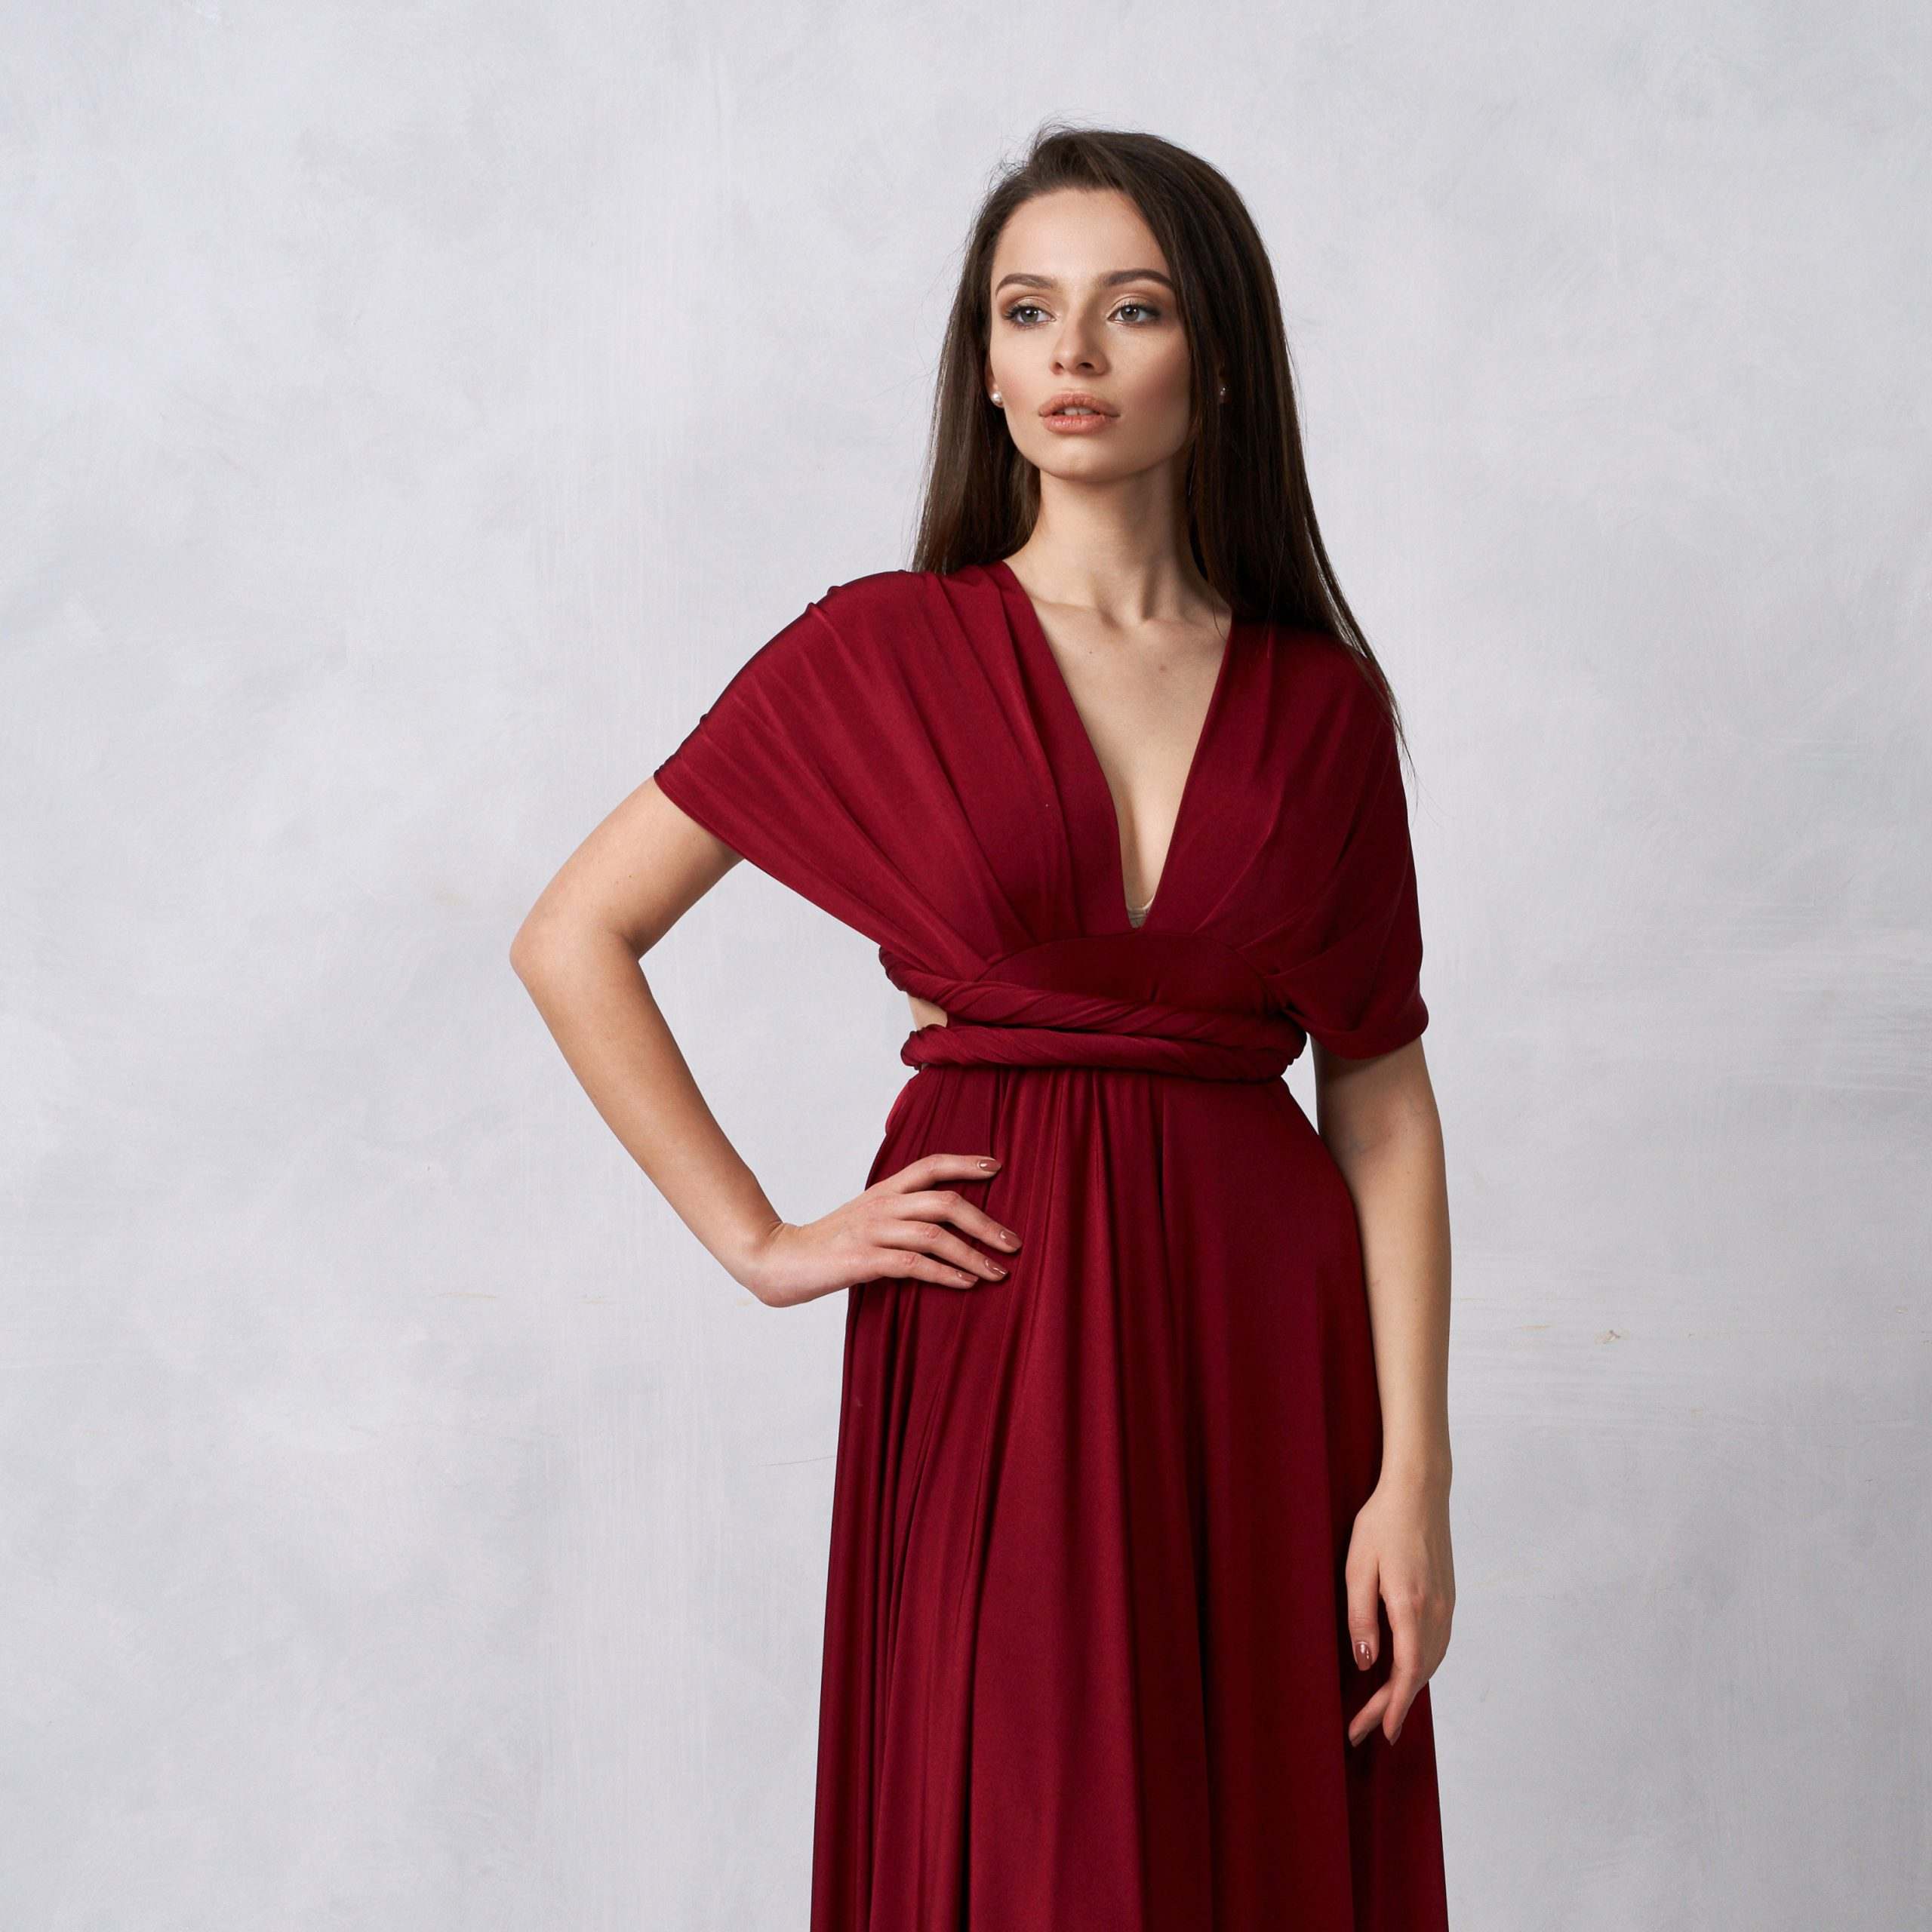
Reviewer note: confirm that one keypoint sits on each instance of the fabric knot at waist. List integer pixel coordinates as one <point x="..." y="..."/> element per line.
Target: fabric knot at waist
<point x="1137" y="1004"/>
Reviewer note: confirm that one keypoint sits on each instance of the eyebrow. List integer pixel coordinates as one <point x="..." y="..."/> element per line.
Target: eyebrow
<point x="1106" y="281"/>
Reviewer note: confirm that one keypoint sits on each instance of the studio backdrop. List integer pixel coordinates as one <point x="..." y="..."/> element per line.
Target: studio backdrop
<point x="415" y="413"/>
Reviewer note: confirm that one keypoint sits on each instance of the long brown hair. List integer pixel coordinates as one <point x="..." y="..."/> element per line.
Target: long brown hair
<point x="1250" y="519"/>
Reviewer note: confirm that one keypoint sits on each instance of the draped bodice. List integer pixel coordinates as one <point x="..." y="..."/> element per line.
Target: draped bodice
<point x="906" y="754"/>
<point x="1158" y="1003"/>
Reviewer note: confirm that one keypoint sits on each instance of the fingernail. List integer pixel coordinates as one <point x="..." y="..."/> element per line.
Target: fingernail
<point x="1007" y="1234"/>
<point x="985" y="1163"/>
<point x="999" y="1273"/>
<point x="1362" y="1652"/>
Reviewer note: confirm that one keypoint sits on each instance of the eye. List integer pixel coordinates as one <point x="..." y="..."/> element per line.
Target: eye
<point x="1019" y="309"/>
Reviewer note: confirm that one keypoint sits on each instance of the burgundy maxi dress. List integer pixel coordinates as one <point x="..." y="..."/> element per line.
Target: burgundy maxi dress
<point x="1086" y="1664"/>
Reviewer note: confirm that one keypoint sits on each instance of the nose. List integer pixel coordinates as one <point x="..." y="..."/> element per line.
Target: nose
<point x="1075" y="350"/>
<point x="1075" y="357"/>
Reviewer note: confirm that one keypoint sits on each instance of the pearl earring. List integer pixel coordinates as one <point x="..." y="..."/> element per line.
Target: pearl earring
<point x="998" y="399"/>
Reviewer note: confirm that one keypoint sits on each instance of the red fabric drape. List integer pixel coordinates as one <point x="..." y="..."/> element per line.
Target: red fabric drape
<point x="1085" y="1662"/>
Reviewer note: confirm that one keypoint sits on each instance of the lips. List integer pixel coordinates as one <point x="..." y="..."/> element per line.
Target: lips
<point x="1076" y="401"/>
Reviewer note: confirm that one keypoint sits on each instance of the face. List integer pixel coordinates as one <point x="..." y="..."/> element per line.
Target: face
<point x="1081" y="300"/>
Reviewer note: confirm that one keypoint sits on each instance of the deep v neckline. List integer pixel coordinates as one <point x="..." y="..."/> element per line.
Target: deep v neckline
<point x="1033" y="635"/>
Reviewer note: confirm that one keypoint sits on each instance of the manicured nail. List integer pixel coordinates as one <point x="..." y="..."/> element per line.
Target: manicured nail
<point x="1362" y="1652"/>
<point x="999" y="1273"/>
<point x="985" y="1163"/>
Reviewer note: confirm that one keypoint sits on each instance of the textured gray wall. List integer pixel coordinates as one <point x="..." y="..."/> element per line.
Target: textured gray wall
<point x="414" y="413"/>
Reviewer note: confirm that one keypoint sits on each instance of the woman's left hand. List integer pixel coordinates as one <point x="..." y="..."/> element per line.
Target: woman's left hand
<point x="1399" y="1550"/>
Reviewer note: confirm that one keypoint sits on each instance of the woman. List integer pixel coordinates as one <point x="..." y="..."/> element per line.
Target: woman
<point x="1140" y="1557"/>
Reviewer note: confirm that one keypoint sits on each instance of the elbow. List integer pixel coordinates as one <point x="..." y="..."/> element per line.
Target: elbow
<point x="529" y="949"/>
<point x="547" y="950"/>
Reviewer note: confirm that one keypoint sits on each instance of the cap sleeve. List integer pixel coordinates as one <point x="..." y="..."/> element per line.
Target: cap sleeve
<point x="816" y="763"/>
<point x="757" y="770"/>
<point x="1357" y="989"/>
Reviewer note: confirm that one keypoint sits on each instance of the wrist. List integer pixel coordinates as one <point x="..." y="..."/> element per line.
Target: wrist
<point x="1424" y="1464"/>
<point x="745" y="1257"/>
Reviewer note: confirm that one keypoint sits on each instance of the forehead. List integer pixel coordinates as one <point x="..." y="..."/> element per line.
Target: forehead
<point x="1076" y="237"/>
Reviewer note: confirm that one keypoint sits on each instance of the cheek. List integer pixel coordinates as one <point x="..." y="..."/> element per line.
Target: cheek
<point x="1161" y="384"/>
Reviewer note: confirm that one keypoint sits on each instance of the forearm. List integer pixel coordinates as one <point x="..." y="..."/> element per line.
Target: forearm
<point x="591" y="989"/>
<point x="1393" y="1163"/>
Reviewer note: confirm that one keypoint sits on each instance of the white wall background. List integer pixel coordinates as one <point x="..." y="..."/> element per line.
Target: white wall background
<point x="413" y="413"/>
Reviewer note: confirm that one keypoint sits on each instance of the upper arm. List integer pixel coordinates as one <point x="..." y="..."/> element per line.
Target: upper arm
<point x="1359" y="1101"/>
<point x="636" y="874"/>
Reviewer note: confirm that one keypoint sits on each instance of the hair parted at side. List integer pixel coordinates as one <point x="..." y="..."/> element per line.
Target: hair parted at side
<point x="1251" y="520"/>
